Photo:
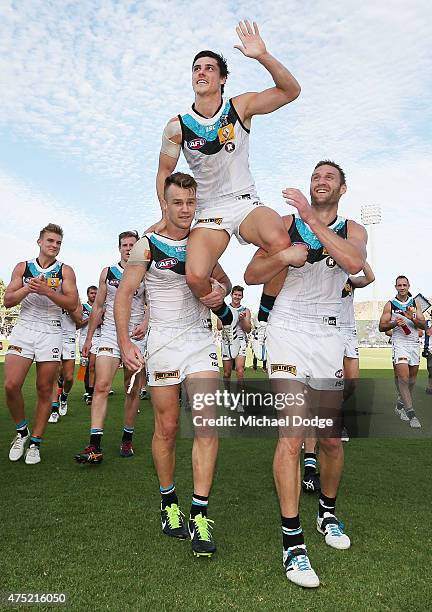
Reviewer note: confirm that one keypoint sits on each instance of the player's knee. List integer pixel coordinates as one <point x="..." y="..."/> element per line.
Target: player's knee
<point x="44" y="390"/>
<point x="240" y="372"/>
<point x="290" y="447"/>
<point x="330" y="446"/>
<point x="194" y="279"/>
<point x="278" y="242"/>
<point x="102" y="386"/>
<point x="166" y="430"/>
<point x="11" y="387"/>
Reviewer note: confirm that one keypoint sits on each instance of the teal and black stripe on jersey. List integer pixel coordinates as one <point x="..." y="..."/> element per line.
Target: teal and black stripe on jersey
<point x="400" y="307"/>
<point x="114" y="275"/>
<point x="209" y="139"/>
<point x="167" y="256"/>
<point x="31" y="271"/>
<point x="300" y="233"/>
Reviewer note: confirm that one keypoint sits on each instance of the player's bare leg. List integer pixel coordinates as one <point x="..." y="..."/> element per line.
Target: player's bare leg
<point x="46" y="373"/>
<point x="205" y="446"/>
<point x="204" y="248"/>
<point x="106" y="368"/>
<point x="165" y="401"/>
<point x="16" y="369"/>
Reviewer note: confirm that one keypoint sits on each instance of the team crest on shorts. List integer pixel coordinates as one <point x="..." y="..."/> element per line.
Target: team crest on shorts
<point x="283" y="367"/>
<point x="13" y="347"/>
<point x="165" y="375"/>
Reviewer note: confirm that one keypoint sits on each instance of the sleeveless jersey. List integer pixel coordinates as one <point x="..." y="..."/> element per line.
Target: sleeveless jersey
<point x="113" y="278"/>
<point x="397" y="310"/>
<point x="68" y="325"/>
<point x="86" y="311"/>
<point x="241" y="334"/>
<point x="171" y="302"/>
<point x="312" y="294"/>
<point x="38" y="312"/>
<point x="217" y="152"/>
<point x="347" y="318"/>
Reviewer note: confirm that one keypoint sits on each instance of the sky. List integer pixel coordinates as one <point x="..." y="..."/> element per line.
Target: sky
<point x="87" y="87"/>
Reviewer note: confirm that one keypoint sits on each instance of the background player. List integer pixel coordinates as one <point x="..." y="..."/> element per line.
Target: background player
<point x="234" y="354"/>
<point x="89" y="378"/>
<point x="43" y="286"/>
<point x="214" y="136"/>
<point x="304" y="345"/>
<point x="59" y="406"/>
<point x="108" y="355"/>
<point x="180" y="348"/>
<point x="405" y="318"/>
<point x="349" y="330"/>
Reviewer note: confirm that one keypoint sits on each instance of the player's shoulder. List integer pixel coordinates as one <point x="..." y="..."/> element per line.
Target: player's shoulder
<point x="288" y="220"/>
<point x="67" y="269"/>
<point x="354" y="228"/>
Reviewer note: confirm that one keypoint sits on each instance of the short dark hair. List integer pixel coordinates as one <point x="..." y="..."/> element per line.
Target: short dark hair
<point x="53" y="228"/>
<point x="237" y="288"/>
<point x="401" y="276"/>
<point x="128" y="234"/>
<point x="180" y="179"/>
<point x="222" y="63"/>
<point x="328" y="162"/>
<point x="91" y="287"/>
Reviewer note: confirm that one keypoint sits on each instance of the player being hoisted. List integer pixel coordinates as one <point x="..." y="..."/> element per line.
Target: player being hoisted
<point x="214" y="136"/>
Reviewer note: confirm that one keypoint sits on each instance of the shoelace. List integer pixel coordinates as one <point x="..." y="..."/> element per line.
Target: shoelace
<point x="173" y="516"/>
<point x="335" y="529"/>
<point x="302" y="562"/>
<point x="203" y="527"/>
<point x="17" y="442"/>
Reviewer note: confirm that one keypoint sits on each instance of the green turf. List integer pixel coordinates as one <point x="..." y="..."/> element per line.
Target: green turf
<point x="94" y="531"/>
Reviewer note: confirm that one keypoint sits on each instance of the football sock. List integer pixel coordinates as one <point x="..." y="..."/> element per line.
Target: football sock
<point x="292" y="533"/>
<point x="54" y="407"/>
<point x="309" y="463"/>
<point x="168" y="496"/>
<point x="224" y="314"/>
<point x="35" y="440"/>
<point x="266" y="304"/>
<point x="96" y="437"/>
<point x="22" y="429"/>
<point x="127" y="433"/>
<point x="199" y="505"/>
<point x="326" y="504"/>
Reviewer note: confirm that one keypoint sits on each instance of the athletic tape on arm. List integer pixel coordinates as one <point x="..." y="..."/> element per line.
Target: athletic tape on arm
<point x="169" y="147"/>
<point x="140" y="253"/>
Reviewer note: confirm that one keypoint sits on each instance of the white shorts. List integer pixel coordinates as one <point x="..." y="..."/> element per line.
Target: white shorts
<point x="227" y="213"/>
<point x="94" y="344"/>
<point x="68" y="346"/>
<point x="350" y="343"/>
<point x="410" y="354"/>
<point x="169" y="359"/>
<point x="37" y="345"/>
<point x="316" y="360"/>
<point x="108" y="345"/>
<point x="242" y="347"/>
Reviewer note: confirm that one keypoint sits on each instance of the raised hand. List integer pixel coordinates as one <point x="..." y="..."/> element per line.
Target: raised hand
<point x="252" y="43"/>
<point x="295" y="198"/>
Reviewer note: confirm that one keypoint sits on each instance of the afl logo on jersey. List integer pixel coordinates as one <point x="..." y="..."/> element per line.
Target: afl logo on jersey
<point x="164" y="264"/>
<point x="196" y="143"/>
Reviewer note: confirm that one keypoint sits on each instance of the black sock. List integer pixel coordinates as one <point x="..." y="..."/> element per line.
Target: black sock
<point x="199" y="505"/>
<point x="54" y="407"/>
<point x="35" y="440"/>
<point x="326" y="504"/>
<point x="310" y="463"/>
<point x="96" y="437"/>
<point x="127" y="434"/>
<point x="266" y="304"/>
<point x="292" y="533"/>
<point x="225" y="314"/>
<point x="64" y="396"/>
<point x="168" y="496"/>
<point x="22" y="429"/>
<point x="90" y="391"/>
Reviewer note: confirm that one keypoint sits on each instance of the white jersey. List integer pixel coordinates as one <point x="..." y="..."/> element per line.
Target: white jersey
<point x="347" y="318"/>
<point x="86" y="311"/>
<point x="399" y="338"/>
<point x="241" y="334"/>
<point x="217" y="152"/>
<point x="38" y="312"/>
<point x="68" y="325"/>
<point x="171" y="302"/>
<point x="312" y="294"/>
<point x="113" y="278"/>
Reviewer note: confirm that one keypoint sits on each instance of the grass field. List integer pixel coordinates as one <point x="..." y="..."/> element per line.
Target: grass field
<point x="94" y="531"/>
